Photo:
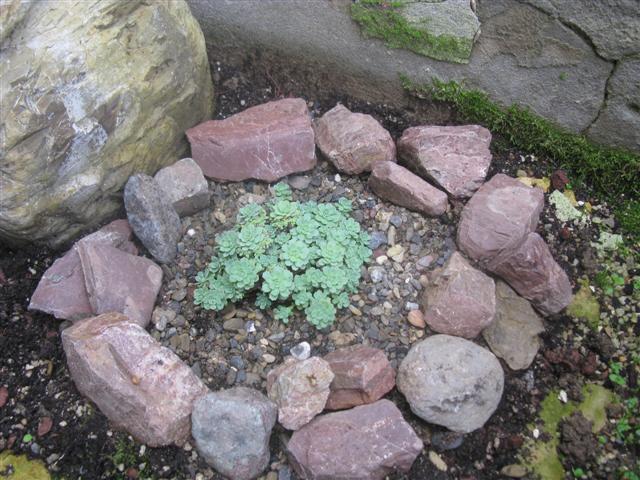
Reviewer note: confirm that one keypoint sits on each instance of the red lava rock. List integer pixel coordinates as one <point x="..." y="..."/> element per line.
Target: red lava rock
<point x="353" y="142"/>
<point x="565" y="233"/>
<point x="44" y="426"/>
<point x="265" y="142"/>
<point x="132" y="473"/>
<point x="362" y="375"/>
<point x="532" y="272"/>
<point x="455" y="158"/>
<point x="4" y="396"/>
<point x="367" y="442"/>
<point x="590" y="364"/>
<point x="11" y="441"/>
<point x="51" y="334"/>
<point x="398" y="185"/>
<point x="554" y="356"/>
<point x="513" y="442"/>
<point x="559" y="179"/>
<point x="139" y="385"/>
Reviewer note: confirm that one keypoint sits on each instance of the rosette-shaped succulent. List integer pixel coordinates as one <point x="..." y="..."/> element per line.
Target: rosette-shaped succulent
<point x="296" y="254"/>
<point x="320" y="313"/>
<point x="278" y="283"/>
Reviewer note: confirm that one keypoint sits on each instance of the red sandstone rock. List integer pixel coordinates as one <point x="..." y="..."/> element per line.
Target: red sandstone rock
<point x="533" y="273"/>
<point x="456" y="158"/>
<point x="362" y="375"/>
<point x="353" y="142"/>
<point x="116" y="281"/>
<point x="497" y="219"/>
<point x="139" y="385"/>
<point x="398" y="185"/>
<point x="266" y="142"/>
<point x="459" y="299"/>
<point x="365" y="443"/>
<point x="61" y="291"/>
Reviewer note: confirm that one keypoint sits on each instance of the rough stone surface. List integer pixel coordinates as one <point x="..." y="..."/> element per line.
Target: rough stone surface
<point x="398" y="185"/>
<point x="265" y="142"/>
<point x="513" y="335"/>
<point x="451" y="382"/>
<point x="232" y="428"/>
<point x="367" y="442"/>
<point x="534" y="274"/>
<point x="497" y="218"/>
<point x="92" y="92"/>
<point x="117" y="281"/>
<point x="459" y="299"/>
<point x="362" y="375"/>
<point x="152" y="217"/>
<point x="185" y="185"/>
<point x="300" y="389"/>
<point x="456" y="158"/>
<point x="353" y="142"/>
<point x="61" y="291"/>
<point x="140" y="386"/>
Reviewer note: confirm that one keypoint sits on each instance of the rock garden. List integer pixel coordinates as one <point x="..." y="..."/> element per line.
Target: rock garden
<point x="326" y="288"/>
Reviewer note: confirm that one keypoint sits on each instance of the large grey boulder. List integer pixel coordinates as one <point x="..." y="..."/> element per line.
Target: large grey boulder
<point x="451" y="382"/>
<point x="92" y="92"/>
<point x="232" y="428"/>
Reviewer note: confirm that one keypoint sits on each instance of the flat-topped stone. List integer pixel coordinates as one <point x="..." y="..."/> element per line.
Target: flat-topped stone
<point x="265" y="142"/>
<point x="353" y="142"/>
<point x="455" y="158"/>
<point x="141" y="386"/>
<point x="398" y="185"/>
<point x="185" y="185"/>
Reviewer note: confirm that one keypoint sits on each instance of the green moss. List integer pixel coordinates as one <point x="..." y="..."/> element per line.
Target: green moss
<point x="612" y="173"/>
<point x="14" y="467"/>
<point x="585" y="306"/>
<point x="381" y="19"/>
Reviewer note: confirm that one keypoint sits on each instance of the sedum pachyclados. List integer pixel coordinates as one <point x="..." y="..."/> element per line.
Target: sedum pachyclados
<point x="304" y="256"/>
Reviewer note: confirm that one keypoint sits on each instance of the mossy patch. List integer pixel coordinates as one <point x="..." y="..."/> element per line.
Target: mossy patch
<point x="564" y="209"/>
<point x="584" y="306"/>
<point x="19" y="467"/>
<point x="383" y="19"/>
<point x="540" y="456"/>
<point x="612" y="173"/>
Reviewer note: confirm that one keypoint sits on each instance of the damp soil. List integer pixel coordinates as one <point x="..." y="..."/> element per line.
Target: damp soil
<point x="81" y="443"/>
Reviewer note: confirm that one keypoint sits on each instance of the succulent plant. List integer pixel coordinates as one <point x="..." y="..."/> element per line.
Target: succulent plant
<point x="304" y="256"/>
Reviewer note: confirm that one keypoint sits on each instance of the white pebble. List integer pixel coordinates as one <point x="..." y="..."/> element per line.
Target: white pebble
<point x="562" y="396"/>
<point x="337" y="178"/>
<point x="191" y="232"/>
<point x="536" y="433"/>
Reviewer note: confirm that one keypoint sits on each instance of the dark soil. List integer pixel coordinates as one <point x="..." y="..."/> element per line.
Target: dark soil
<point x="81" y="444"/>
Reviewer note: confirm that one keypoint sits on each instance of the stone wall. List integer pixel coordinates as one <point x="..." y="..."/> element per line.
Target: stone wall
<point x="577" y="63"/>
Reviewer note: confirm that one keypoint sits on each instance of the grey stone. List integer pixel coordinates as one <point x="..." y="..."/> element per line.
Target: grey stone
<point x="377" y="239"/>
<point x="513" y="336"/>
<point x="232" y="428"/>
<point x="185" y="186"/>
<point x="91" y="95"/>
<point x="152" y="217"/>
<point x="451" y="382"/>
<point x="301" y="351"/>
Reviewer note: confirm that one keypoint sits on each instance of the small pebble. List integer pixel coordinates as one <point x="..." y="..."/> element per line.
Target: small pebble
<point x="301" y="351"/>
<point x="267" y="357"/>
<point x="416" y="319"/>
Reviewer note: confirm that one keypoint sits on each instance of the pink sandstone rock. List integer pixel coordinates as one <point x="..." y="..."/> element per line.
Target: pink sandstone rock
<point x="139" y="385"/>
<point x="353" y="142"/>
<point x="300" y="390"/>
<point x="459" y="299"/>
<point x="533" y="273"/>
<point x="61" y="291"/>
<point x="497" y="219"/>
<point x="117" y="281"/>
<point x="362" y="375"/>
<point x="365" y="443"/>
<point x="456" y="158"/>
<point x="398" y="185"/>
<point x="266" y="142"/>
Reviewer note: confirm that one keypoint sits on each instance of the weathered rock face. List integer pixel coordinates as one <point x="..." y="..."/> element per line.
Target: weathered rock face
<point x="300" y="389"/>
<point x="459" y="299"/>
<point x="117" y="281"/>
<point x="185" y="185"/>
<point x="398" y="185"/>
<point x="232" y="430"/>
<point x="451" y="382"/>
<point x="353" y="142"/>
<point x="61" y="291"/>
<point x="152" y="217"/>
<point x="456" y="158"/>
<point x="365" y="443"/>
<point x="140" y="386"/>
<point x="498" y="218"/>
<point x="534" y="274"/>
<point x="362" y="375"/>
<point x="513" y="335"/>
<point x="266" y="142"/>
<point x="93" y="92"/>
